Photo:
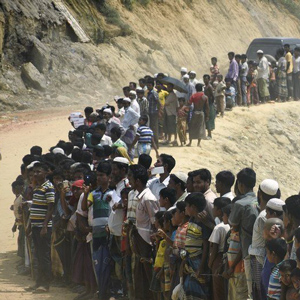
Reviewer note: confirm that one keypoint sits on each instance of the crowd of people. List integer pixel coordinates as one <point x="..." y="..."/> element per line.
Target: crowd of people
<point x="92" y="220"/>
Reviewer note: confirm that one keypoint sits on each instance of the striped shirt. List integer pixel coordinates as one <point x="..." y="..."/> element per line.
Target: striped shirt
<point x="145" y="135"/>
<point x="180" y="236"/>
<point x="42" y="196"/>
<point x="274" y="289"/>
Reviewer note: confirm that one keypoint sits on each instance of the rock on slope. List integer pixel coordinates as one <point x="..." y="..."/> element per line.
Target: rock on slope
<point x="162" y="36"/>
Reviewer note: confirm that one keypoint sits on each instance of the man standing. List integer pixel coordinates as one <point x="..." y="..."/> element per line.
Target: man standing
<point x="233" y="71"/>
<point x="243" y="215"/>
<point x="142" y="101"/>
<point x="238" y="91"/>
<point x="190" y="88"/>
<point x="183" y="71"/>
<point x="147" y="207"/>
<point x="41" y="226"/>
<point x="262" y="76"/>
<point x="171" y="104"/>
<point x="289" y="71"/>
<point x="243" y="77"/>
<point x="178" y="183"/>
<point x="153" y="101"/>
<point x="193" y="80"/>
<point x="134" y="104"/>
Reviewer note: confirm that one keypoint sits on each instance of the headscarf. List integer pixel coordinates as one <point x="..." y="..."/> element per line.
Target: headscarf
<point x="123" y="152"/>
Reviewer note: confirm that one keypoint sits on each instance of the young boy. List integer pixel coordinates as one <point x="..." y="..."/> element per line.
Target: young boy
<point x="295" y="277"/>
<point x="224" y="183"/>
<point x="220" y="95"/>
<point x="182" y="113"/>
<point x="144" y="137"/>
<point x="274" y="208"/>
<point x="214" y="70"/>
<point x="276" y="251"/>
<point x="217" y="241"/>
<point x="167" y="198"/>
<point x="285" y="270"/>
<point x="229" y="95"/>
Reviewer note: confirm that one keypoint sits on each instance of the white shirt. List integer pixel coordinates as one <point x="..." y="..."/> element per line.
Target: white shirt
<point x="79" y="209"/>
<point x="135" y="106"/>
<point x="121" y="185"/>
<point x="229" y="195"/>
<point x="219" y="234"/>
<point x="106" y="140"/>
<point x="263" y="68"/>
<point x="296" y="64"/>
<point x="131" y="118"/>
<point x="194" y="81"/>
<point x="156" y="186"/>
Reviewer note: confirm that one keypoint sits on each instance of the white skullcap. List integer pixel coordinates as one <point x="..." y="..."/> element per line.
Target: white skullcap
<point x="186" y="76"/>
<point x="32" y="164"/>
<point x="269" y="187"/>
<point x="121" y="160"/>
<point x="132" y="92"/>
<point x="183" y="69"/>
<point x="192" y="72"/>
<point x="260" y="52"/>
<point x="155" y="75"/>
<point x="127" y="99"/>
<point x="108" y="111"/>
<point x="58" y="150"/>
<point x="181" y="176"/>
<point x="275" y="204"/>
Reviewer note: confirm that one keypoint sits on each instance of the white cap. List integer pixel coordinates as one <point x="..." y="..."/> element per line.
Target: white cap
<point x="155" y="75"/>
<point x="121" y="160"/>
<point x="132" y="92"/>
<point x="269" y="187"/>
<point x="181" y="176"/>
<point x="186" y="76"/>
<point x="192" y="72"/>
<point x="58" y="150"/>
<point x="183" y="69"/>
<point x="127" y="99"/>
<point x="260" y="52"/>
<point x="108" y="111"/>
<point x="32" y="164"/>
<point x="275" y="204"/>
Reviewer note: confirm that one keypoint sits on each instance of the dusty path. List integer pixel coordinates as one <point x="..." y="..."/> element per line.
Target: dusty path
<point x="266" y="136"/>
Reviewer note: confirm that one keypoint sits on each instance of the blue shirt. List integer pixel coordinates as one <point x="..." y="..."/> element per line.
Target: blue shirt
<point x="145" y="135"/>
<point x="274" y="288"/>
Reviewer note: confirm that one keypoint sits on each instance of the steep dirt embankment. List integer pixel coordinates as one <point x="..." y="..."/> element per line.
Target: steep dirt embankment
<point x="162" y="36"/>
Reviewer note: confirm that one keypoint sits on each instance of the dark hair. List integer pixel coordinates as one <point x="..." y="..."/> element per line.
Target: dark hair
<point x="145" y="160"/>
<point x="36" y="150"/>
<point x="168" y="160"/>
<point x="41" y="165"/>
<point x="178" y="181"/>
<point x="119" y="165"/>
<point x="238" y="56"/>
<point x="132" y="83"/>
<point x="76" y="154"/>
<point x="117" y="131"/>
<point x="17" y="183"/>
<point x="206" y="76"/>
<point x="99" y="152"/>
<point x="142" y="80"/>
<point x="86" y="157"/>
<point x="297" y="49"/>
<point x="23" y="168"/>
<point x="244" y="56"/>
<point x="28" y="159"/>
<point x="276" y="212"/>
<point x="88" y="110"/>
<point x="144" y="118"/>
<point x="68" y="148"/>
<point x="168" y="216"/>
<point x="280" y="52"/>
<point x="247" y="177"/>
<point x="96" y="138"/>
<point x="101" y="126"/>
<point x="204" y="174"/>
<point x="199" y="87"/>
<point x="226" y="177"/>
<point x="107" y="150"/>
<point x="287" y="45"/>
<point x="125" y="191"/>
<point x="278" y="246"/>
<point x="197" y="199"/>
<point x="288" y="265"/>
<point x="292" y="206"/>
<point x="214" y="58"/>
<point x="159" y="216"/>
<point x="231" y="53"/>
<point x="267" y="197"/>
<point x="150" y="81"/>
<point x="139" y="172"/>
<point x="296" y="273"/>
<point x="221" y="202"/>
<point x="104" y="167"/>
<point x="168" y="193"/>
<point x="180" y="205"/>
<point x="227" y="209"/>
<point x="126" y="88"/>
<point x="79" y="142"/>
<point x="78" y="133"/>
<point x="58" y="172"/>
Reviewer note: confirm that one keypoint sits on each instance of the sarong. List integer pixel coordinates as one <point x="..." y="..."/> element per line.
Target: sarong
<point x="263" y="88"/>
<point x="169" y="124"/>
<point x="210" y="124"/>
<point x="181" y="129"/>
<point x="290" y="86"/>
<point x="256" y="269"/>
<point x="143" y="148"/>
<point x="197" y="126"/>
<point x="282" y="85"/>
<point x="220" y="104"/>
<point x="218" y="281"/>
<point x="297" y="86"/>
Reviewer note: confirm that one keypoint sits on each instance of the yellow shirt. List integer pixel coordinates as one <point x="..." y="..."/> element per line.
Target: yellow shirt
<point x="162" y="97"/>
<point x="289" y="59"/>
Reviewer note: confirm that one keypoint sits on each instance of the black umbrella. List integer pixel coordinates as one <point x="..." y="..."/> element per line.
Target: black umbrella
<point x="178" y="84"/>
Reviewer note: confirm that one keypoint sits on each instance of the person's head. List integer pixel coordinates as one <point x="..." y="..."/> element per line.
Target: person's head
<point x="167" y="161"/>
<point x="178" y="182"/>
<point x="115" y="133"/>
<point x="96" y="139"/>
<point x="167" y="198"/>
<point x="189" y="183"/>
<point x="192" y="75"/>
<point x="199" y="87"/>
<point x="267" y="190"/>
<point x="142" y="82"/>
<point x="119" y="169"/>
<point x="226" y="213"/>
<point x="87" y="112"/>
<point x="17" y="187"/>
<point x="159" y="86"/>
<point x="132" y="86"/>
<point x="195" y="203"/>
<point x="179" y="216"/>
<point x="224" y="182"/>
<point x="143" y="120"/>
<point x="206" y="79"/>
<point x="285" y="271"/>
<point x="159" y="220"/>
<point x="126" y="102"/>
<point x="124" y="196"/>
<point x="244" y="58"/>
<point x="271" y="224"/>
<point x="77" y="188"/>
<point x="287" y="48"/>
<point x="230" y="55"/>
<point x="68" y="148"/>
<point x="132" y="95"/>
<point x="126" y="90"/>
<point x="145" y="160"/>
<point x="36" y="150"/>
<point x="280" y="52"/>
<point x="28" y="159"/>
<point x="40" y="172"/>
<point x="260" y="54"/>
<point x="186" y="78"/>
<point x="246" y="180"/>
<point x="140" y="93"/>
<point x="104" y="170"/>
<point x="150" y="84"/>
<point x="78" y="173"/>
<point x="297" y="51"/>
<point x="107" y="114"/>
<point x="181" y="102"/>
<point x="274" y="208"/>
<point x="276" y="250"/>
<point x="170" y="87"/>
<point x="183" y="71"/>
<point x="168" y="221"/>
<point x="98" y="154"/>
<point x="295" y="277"/>
<point x="138" y="177"/>
<point x="93" y="118"/>
<point x="57" y="177"/>
<point x="201" y="180"/>
<point x="219" y="204"/>
<point x="291" y="212"/>
<point x="228" y="82"/>
<point x="214" y="61"/>
<point x="220" y="77"/>
<point x="87" y="157"/>
<point x="238" y="58"/>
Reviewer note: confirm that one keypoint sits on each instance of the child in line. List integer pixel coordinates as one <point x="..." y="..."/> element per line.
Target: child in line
<point x="295" y="277"/>
<point x="276" y="251"/>
<point x="230" y="94"/>
<point x="285" y="270"/>
<point x="182" y="114"/>
<point x="217" y="242"/>
<point x="167" y="198"/>
<point x="214" y="70"/>
<point x="220" y="95"/>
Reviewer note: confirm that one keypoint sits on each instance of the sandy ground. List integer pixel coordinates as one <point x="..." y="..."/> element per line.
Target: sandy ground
<point x="265" y="137"/>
